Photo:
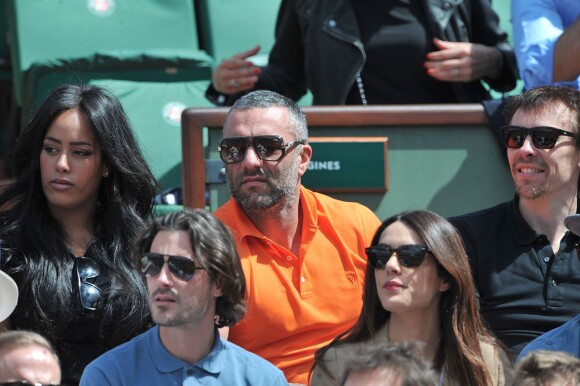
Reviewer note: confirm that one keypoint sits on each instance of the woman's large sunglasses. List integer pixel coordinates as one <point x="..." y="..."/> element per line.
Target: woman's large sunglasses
<point x="180" y="266"/>
<point x="267" y="148"/>
<point x="543" y="137"/>
<point x="90" y="294"/>
<point x="409" y="256"/>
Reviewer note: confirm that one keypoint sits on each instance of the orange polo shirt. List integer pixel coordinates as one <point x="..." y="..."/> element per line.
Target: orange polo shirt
<point x="297" y="304"/>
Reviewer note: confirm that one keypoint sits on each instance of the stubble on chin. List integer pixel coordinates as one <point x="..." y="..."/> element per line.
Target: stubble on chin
<point x="532" y="192"/>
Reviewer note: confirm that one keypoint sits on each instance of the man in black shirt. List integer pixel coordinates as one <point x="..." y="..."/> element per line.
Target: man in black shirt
<point x="524" y="260"/>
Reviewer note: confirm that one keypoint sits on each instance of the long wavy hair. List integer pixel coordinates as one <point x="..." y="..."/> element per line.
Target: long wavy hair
<point x="37" y="243"/>
<point x="214" y="249"/>
<point x="461" y="325"/>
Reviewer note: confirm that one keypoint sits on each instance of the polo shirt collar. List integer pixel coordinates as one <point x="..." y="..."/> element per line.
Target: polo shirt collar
<point x="167" y="363"/>
<point x="524" y="234"/>
<point x="245" y="227"/>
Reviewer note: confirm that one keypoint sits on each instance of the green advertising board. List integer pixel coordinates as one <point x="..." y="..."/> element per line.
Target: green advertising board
<point x="347" y="164"/>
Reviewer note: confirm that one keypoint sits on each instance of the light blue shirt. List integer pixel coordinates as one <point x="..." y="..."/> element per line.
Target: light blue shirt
<point x="564" y="338"/>
<point x="145" y="361"/>
<point x="537" y="24"/>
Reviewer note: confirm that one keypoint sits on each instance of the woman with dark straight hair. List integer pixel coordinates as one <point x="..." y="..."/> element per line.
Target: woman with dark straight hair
<point x="418" y="287"/>
<point x="82" y="191"/>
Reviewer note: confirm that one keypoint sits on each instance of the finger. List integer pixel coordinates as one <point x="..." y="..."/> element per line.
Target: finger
<point x="231" y="81"/>
<point x="240" y="84"/>
<point x="448" y="74"/>
<point x="248" y="53"/>
<point x="441" y="44"/>
<point x="444" y="64"/>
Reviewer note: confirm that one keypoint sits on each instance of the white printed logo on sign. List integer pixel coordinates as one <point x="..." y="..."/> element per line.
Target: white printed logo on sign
<point x="172" y="113"/>
<point x="103" y="8"/>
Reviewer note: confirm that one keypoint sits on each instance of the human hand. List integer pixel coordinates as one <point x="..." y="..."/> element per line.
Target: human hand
<point x="236" y="73"/>
<point x="462" y="62"/>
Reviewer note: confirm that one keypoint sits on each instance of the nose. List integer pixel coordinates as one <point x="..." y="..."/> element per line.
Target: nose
<point x="62" y="164"/>
<point x="528" y="146"/>
<point x="393" y="265"/>
<point x="164" y="277"/>
<point x="251" y="157"/>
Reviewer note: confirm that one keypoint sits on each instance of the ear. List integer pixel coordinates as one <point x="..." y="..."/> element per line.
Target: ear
<point x="217" y="290"/>
<point x="444" y="286"/>
<point x="305" y="156"/>
<point x="105" y="171"/>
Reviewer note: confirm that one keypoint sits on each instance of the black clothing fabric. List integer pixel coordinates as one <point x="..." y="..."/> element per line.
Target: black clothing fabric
<point x="396" y="39"/>
<point x="524" y="288"/>
<point x="318" y="46"/>
<point x="78" y="342"/>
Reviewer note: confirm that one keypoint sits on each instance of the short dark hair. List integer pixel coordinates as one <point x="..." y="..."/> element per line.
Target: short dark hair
<point x="544" y="98"/>
<point x="401" y="360"/>
<point x="266" y="99"/>
<point x="215" y="250"/>
<point x="541" y="368"/>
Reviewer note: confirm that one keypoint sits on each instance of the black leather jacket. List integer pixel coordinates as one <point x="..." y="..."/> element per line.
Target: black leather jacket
<point x="318" y="47"/>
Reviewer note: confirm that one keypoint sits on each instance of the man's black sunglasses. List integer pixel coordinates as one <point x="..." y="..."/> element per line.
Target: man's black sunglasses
<point x="266" y="147"/>
<point x="409" y="256"/>
<point x="180" y="266"/>
<point x="90" y="294"/>
<point x="543" y="137"/>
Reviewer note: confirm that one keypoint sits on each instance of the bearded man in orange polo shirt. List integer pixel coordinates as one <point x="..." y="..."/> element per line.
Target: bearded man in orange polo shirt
<point x="302" y="252"/>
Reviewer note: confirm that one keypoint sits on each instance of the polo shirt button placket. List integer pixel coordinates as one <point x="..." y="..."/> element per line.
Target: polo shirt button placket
<point x="189" y="378"/>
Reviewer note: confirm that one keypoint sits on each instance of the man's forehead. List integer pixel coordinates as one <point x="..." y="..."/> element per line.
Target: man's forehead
<point x="172" y="242"/>
<point x="557" y="115"/>
<point x="258" y="120"/>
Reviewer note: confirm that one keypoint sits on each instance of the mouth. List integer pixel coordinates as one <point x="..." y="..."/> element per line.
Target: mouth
<point x="392" y="285"/>
<point x="253" y="181"/>
<point x="164" y="299"/>
<point x="61" y="183"/>
<point x="528" y="170"/>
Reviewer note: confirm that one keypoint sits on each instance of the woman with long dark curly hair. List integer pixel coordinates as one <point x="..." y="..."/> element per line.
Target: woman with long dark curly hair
<point x="82" y="191"/>
<point x="418" y="287"/>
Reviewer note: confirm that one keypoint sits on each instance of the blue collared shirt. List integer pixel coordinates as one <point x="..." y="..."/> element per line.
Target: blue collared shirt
<point x="145" y="361"/>
<point x="564" y="338"/>
<point x="537" y="24"/>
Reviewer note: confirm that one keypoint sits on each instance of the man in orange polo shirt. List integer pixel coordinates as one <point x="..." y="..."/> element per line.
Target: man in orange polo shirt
<point x="302" y="252"/>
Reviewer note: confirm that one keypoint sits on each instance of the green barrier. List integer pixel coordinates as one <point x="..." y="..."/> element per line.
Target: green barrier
<point x="162" y="210"/>
<point x="154" y="110"/>
<point x="440" y="157"/>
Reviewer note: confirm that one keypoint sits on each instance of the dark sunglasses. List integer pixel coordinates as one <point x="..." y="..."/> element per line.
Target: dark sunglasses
<point x="267" y="147"/>
<point x="89" y="293"/>
<point x="26" y="383"/>
<point x="180" y="266"/>
<point x="543" y="137"/>
<point x="409" y="256"/>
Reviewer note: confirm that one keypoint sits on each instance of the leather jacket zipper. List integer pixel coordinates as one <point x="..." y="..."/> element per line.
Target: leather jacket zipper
<point x="333" y="31"/>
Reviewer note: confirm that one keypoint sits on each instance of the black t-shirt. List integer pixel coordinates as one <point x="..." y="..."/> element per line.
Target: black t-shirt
<point x="396" y="39"/>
